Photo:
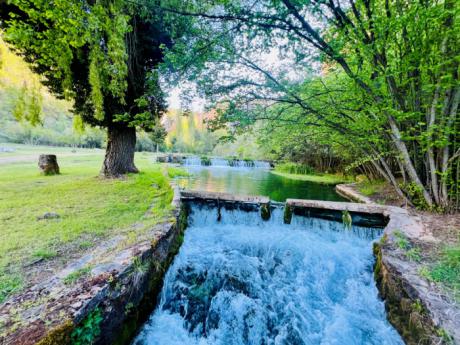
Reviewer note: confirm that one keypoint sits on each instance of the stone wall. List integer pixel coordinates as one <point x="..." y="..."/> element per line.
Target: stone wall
<point x="107" y="308"/>
<point x="415" y="307"/>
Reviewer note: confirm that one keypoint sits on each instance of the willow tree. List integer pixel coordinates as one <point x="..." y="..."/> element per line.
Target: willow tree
<point x="102" y="55"/>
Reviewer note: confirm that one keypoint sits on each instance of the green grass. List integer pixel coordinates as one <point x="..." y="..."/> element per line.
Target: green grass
<point x="320" y="178"/>
<point x="45" y="254"/>
<point x="73" y="277"/>
<point x="90" y="208"/>
<point x="176" y="172"/>
<point x="447" y="269"/>
<point x="369" y="188"/>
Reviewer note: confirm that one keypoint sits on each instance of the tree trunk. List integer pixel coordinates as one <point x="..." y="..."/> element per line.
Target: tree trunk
<point x="406" y="161"/>
<point x="119" y="155"/>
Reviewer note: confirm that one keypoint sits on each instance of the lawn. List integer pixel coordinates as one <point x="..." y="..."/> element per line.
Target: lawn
<point x="89" y="208"/>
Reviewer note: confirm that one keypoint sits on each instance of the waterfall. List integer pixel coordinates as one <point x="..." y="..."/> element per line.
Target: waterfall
<point x="192" y="160"/>
<point x="247" y="281"/>
<point x="219" y="162"/>
<point x="222" y="162"/>
<point x="262" y="164"/>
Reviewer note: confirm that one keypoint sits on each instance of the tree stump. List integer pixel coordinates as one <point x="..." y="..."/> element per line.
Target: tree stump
<point x="48" y="164"/>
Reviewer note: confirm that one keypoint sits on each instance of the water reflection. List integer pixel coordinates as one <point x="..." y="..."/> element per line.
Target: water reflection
<point x="255" y="181"/>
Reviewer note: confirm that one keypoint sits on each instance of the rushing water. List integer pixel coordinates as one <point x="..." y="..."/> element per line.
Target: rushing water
<point x="222" y="162"/>
<point x="246" y="281"/>
<point x="255" y="181"/>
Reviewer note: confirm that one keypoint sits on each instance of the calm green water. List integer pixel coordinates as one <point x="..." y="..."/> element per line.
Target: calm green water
<point x="255" y="181"/>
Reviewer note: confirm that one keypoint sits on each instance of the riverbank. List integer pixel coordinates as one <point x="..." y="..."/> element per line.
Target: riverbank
<point x="80" y="255"/>
<point x="429" y="266"/>
<point x="439" y="260"/>
<point x="323" y="178"/>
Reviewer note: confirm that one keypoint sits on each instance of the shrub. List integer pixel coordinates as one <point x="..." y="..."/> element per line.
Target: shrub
<point x="295" y="168"/>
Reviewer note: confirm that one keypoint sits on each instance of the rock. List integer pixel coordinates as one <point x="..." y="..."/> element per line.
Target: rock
<point x="49" y="215"/>
<point x="48" y="164"/>
<point x="76" y="305"/>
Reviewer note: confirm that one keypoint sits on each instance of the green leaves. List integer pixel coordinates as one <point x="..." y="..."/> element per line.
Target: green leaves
<point x="28" y="105"/>
<point x="89" y="329"/>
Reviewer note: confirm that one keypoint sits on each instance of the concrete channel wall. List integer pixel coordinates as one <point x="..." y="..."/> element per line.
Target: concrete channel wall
<point x="108" y="307"/>
<point x="124" y="284"/>
<point x="414" y="306"/>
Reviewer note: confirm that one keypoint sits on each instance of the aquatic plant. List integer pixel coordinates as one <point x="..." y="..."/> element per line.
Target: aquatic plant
<point x="346" y="219"/>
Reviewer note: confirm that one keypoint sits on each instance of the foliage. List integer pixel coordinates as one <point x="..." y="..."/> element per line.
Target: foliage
<point x="50" y="123"/>
<point x="293" y="168"/>
<point x="187" y="133"/>
<point x="414" y="254"/>
<point x="89" y="329"/>
<point x="103" y="55"/>
<point x="243" y="145"/>
<point x="373" y="85"/>
<point x="401" y="240"/>
<point x="73" y="277"/>
<point x="74" y="34"/>
<point x="45" y="254"/>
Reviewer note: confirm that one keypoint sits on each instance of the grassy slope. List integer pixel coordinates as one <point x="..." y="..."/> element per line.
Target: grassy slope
<point x="324" y="178"/>
<point x="90" y="208"/>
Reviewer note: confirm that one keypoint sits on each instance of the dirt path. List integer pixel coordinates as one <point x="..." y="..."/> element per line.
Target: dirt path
<point x="33" y="158"/>
<point x="18" y="159"/>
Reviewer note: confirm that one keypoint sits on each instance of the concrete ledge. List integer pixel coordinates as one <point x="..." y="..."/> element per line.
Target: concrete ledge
<point x="200" y="195"/>
<point x="348" y="192"/>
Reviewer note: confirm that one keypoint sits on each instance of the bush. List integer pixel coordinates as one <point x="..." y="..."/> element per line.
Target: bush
<point x="295" y="168"/>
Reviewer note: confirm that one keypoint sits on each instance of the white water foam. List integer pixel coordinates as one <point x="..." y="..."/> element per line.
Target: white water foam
<point x="246" y="281"/>
<point x="225" y="163"/>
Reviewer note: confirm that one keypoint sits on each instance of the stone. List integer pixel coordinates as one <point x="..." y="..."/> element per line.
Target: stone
<point x="48" y="164"/>
<point x="49" y="215"/>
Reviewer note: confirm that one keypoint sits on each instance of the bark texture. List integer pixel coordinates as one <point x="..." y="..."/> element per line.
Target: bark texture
<point x="119" y="155"/>
<point x="48" y="164"/>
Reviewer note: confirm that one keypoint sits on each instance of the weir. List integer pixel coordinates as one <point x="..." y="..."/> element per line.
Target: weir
<point x="241" y="278"/>
<point x="249" y="271"/>
<point x="222" y="162"/>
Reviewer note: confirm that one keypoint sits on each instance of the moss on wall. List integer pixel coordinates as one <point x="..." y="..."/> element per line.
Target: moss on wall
<point x="265" y="211"/>
<point x="59" y="335"/>
<point x="287" y="214"/>
<point x="404" y="311"/>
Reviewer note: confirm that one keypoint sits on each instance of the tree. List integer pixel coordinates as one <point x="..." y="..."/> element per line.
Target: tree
<point x="102" y="55"/>
<point x="158" y="135"/>
<point x="396" y="62"/>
